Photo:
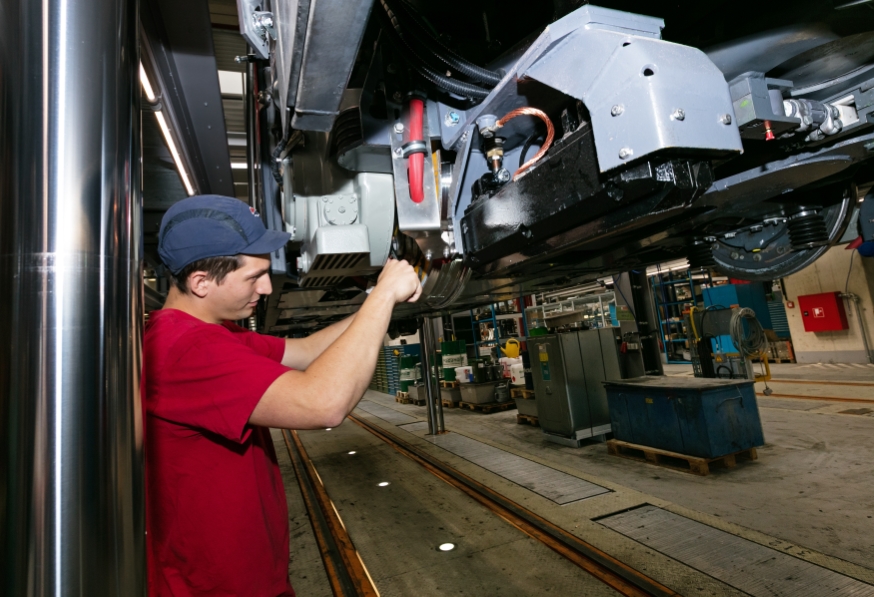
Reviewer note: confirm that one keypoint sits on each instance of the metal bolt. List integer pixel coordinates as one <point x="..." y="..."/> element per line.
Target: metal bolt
<point x="625" y="153"/>
<point x="725" y="119"/>
<point x="757" y="257"/>
<point x="735" y="254"/>
<point x="399" y="128"/>
<point x="397" y="97"/>
<point x="679" y="114"/>
<point x="341" y="209"/>
<point x="781" y="249"/>
<point x="452" y="119"/>
<point x="399" y="152"/>
<point x="503" y="175"/>
<point x="616" y="110"/>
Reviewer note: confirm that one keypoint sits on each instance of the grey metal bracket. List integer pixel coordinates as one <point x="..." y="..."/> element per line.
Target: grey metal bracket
<point x="256" y="26"/>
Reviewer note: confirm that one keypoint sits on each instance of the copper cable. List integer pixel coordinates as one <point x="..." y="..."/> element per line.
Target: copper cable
<point x="550" y="134"/>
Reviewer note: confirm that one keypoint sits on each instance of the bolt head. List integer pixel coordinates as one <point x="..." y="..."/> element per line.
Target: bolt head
<point x="397" y="97"/>
<point x="725" y="119"/>
<point x="399" y="152"/>
<point x="735" y="254"/>
<point x="503" y="175"/>
<point x="679" y="114"/>
<point x="399" y="128"/>
<point x="452" y="119"/>
<point x="625" y="153"/>
<point x="616" y="110"/>
<point x="757" y="257"/>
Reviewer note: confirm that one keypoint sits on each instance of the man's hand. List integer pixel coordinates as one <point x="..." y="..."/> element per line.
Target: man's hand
<point x="400" y="281"/>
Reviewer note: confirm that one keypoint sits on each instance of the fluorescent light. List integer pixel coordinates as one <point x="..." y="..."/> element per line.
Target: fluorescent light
<point x="239" y="165"/>
<point x="446" y="546"/>
<point x="147" y="87"/>
<point x="328" y="429"/>
<point x="383" y="484"/>
<point x="230" y="83"/>
<point x="165" y="130"/>
<point x="352" y="452"/>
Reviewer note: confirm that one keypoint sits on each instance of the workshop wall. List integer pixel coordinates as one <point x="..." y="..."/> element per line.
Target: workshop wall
<point x="829" y="274"/>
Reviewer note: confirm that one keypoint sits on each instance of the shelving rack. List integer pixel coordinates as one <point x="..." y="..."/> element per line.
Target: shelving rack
<point x="674" y="292"/>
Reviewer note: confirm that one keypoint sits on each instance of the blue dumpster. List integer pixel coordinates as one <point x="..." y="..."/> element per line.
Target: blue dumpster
<point x="707" y="418"/>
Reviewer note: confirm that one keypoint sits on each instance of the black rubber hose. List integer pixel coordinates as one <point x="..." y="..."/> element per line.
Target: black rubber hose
<point x="424" y="37"/>
<point x="445" y="83"/>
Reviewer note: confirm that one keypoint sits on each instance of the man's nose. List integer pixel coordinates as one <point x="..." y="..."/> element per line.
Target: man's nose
<point x="264" y="287"/>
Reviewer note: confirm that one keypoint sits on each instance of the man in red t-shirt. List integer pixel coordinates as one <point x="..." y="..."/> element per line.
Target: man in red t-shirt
<point x="216" y="513"/>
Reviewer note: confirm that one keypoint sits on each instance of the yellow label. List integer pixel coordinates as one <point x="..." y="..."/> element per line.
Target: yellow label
<point x="648" y="400"/>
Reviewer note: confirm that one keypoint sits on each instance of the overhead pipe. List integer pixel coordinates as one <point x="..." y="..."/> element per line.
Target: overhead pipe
<point x="854" y="298"/>
<point x="71" y="290"/>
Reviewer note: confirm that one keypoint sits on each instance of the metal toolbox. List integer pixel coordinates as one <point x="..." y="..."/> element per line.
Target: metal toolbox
<point x="478" y="393"/>
<point x="701" y="417"/>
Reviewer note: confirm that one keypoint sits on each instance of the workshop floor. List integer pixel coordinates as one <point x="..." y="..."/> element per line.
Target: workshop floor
<point x="809" y="495"/>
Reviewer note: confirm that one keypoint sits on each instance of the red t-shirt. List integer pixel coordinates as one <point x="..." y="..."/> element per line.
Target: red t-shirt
<point x="215" y="505"/>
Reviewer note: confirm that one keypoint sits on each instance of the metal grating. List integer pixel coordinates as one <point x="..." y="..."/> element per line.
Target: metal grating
<point x="554" y="485"/>
<point x="385" y="413"/>
<point x="747" y="566"/>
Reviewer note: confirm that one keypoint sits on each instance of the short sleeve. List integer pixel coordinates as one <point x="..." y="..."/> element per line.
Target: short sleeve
<point x="213" y="380"/>
<point x="268" y="346"/>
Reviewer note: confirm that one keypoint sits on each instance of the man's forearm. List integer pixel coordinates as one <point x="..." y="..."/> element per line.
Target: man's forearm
<point x="301" y="352"/>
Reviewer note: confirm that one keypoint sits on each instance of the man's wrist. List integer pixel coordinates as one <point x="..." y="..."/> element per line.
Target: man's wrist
<point x="382" y="296"/>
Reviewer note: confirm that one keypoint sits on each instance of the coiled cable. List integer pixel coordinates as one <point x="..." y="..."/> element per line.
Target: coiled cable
<point x="750" y="340"/>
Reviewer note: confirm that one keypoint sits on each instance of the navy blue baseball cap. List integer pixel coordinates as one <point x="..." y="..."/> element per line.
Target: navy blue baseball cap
<point x="213" y="226"/>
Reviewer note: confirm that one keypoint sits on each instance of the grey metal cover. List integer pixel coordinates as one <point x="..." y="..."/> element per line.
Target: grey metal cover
<point x="554" y="485"/>
<point x="750" y="567"/>
<point x="385" y="413"/>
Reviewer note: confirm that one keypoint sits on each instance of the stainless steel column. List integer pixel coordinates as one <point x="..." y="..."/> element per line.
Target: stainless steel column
<point x="71" y="478"/>
<point x="432" y="393"/>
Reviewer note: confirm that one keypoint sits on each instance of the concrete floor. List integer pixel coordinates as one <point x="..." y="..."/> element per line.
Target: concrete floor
<point x="810" y="494"/>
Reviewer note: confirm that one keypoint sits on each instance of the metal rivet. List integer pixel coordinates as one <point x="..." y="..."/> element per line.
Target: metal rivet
<point x="725" y="119"/>
<point x="616" y="110"/>
<point x="679" y="114"/>
<point x="625" y="153"/>
<point x="735" y="254"/>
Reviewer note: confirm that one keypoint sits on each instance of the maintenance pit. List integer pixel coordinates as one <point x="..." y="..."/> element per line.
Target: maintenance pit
<point x="793" y="522"/>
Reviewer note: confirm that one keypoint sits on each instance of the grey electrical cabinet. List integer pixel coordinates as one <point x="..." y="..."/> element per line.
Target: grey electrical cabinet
<point x="568" y="370"/>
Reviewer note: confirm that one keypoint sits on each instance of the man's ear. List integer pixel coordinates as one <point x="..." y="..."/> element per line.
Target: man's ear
<point x="199" y="284"/>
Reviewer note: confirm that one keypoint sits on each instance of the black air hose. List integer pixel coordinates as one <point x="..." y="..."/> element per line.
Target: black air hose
<point x="425" y="38"/>
<point x="445" y="83"/>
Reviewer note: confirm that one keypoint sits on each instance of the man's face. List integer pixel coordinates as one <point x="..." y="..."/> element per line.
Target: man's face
<point x="236" y="297"/>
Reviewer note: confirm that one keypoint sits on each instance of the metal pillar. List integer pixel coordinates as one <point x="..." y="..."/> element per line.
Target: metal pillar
<point x="433" y="406"/>
<point x="71" y="291"/>
<point x="647" y="318"/>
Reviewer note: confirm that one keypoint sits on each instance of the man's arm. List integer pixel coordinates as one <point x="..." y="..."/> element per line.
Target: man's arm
<point x="323" y="394"/>
<point x="301" y="352"/>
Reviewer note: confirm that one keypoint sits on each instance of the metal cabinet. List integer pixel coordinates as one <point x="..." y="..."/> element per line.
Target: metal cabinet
<point x="568" y="371"/>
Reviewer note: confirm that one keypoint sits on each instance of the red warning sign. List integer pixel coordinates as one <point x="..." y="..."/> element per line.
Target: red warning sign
<point x="819" y="312"/>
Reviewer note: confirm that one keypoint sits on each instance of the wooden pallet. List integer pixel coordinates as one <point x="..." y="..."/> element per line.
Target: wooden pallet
<point x="488" y="407"/>
<point x="405" y="398"/>
<point x="521" y="393"/>
<point x="448" y="403"/>
<point x="696" y="465"/>
<point x="530" y="419"/>
<point x="449" y="384"/>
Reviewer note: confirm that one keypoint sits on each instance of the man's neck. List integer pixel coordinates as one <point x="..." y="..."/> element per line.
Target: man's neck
<point x="188" y="303"/>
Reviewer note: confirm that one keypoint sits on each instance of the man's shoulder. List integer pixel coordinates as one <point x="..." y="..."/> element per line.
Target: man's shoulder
<point x="170" y="328"/>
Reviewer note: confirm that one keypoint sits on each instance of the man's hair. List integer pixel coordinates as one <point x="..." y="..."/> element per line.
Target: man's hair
<point x="216" y="268"/>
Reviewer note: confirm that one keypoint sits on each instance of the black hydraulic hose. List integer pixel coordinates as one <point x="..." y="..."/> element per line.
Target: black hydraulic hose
<point x="445" y="83"/>
<point x="424" y="37"/>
